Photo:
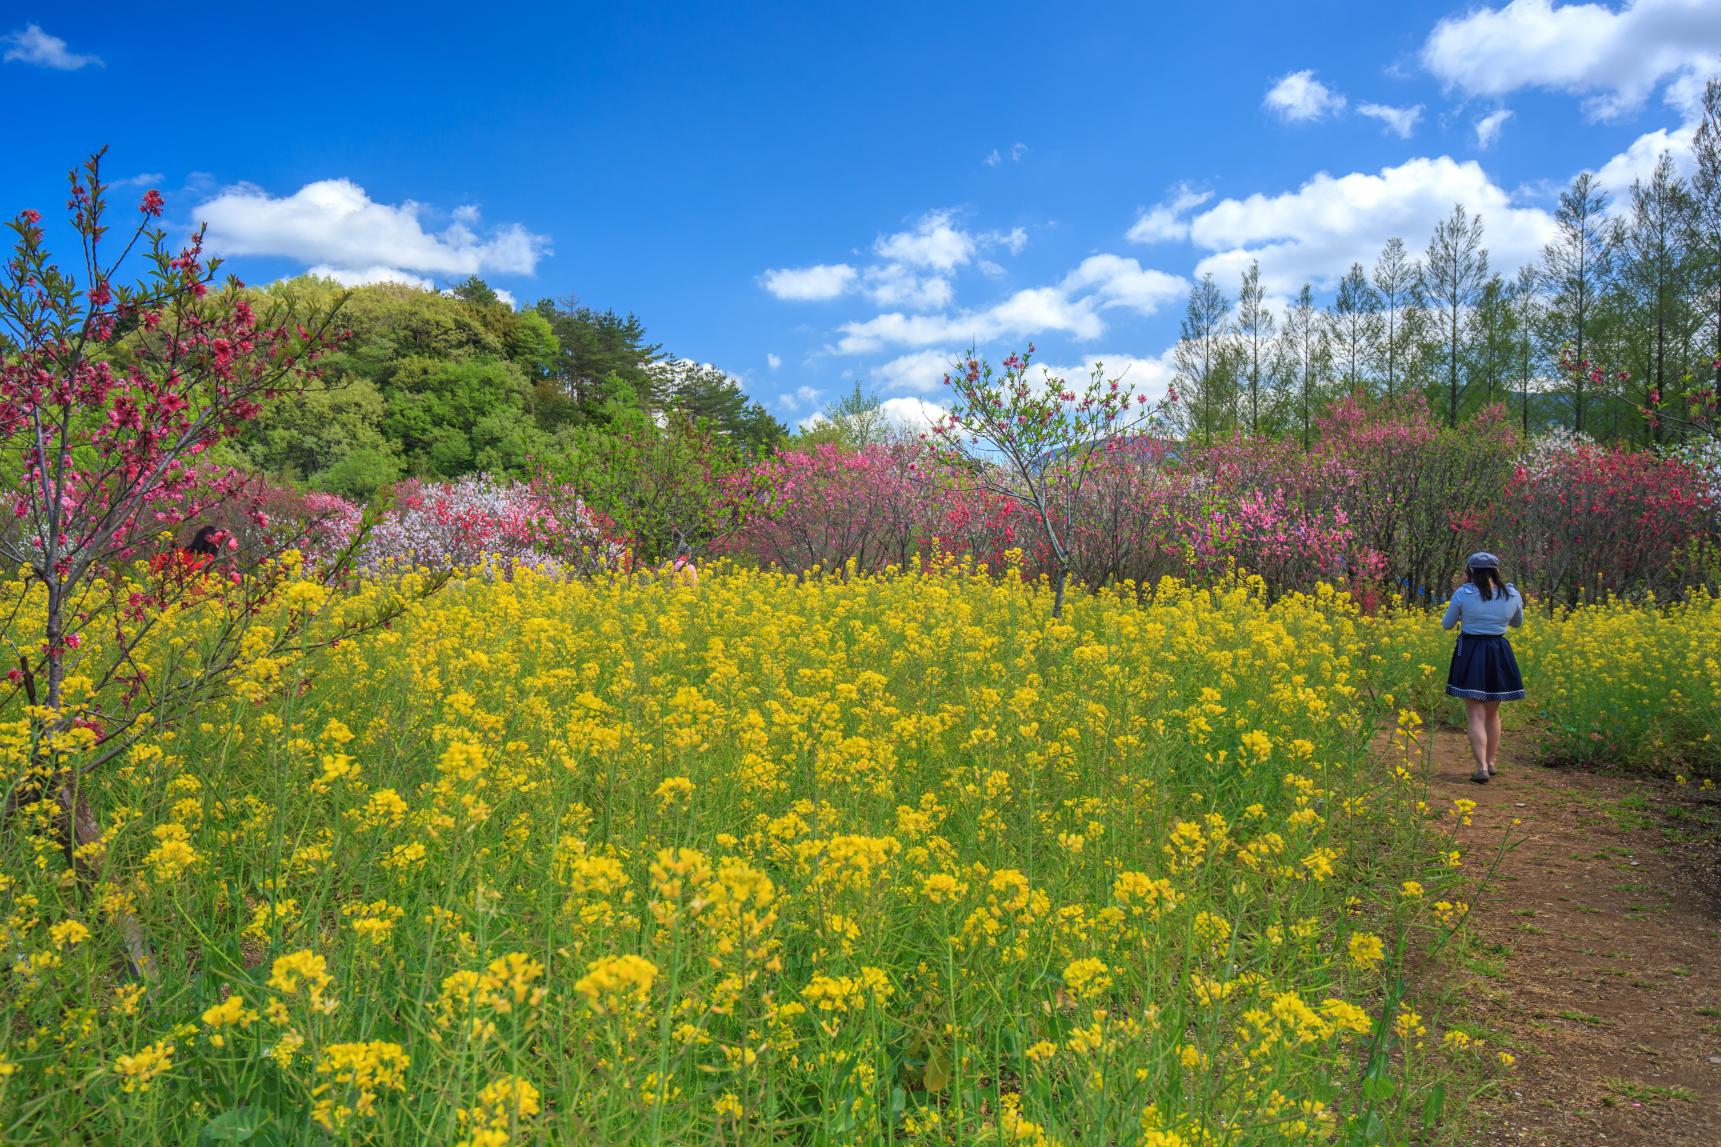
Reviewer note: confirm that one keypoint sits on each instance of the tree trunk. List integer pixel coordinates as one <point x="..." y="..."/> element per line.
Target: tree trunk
<point x="1058" y="580"/>
<point x="79" y="827"/>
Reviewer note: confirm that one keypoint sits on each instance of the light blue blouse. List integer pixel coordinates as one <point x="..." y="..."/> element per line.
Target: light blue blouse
<point x="1482" y="618"/>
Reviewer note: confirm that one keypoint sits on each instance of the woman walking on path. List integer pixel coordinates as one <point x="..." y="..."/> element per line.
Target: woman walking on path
<point x="1484" y="672"/>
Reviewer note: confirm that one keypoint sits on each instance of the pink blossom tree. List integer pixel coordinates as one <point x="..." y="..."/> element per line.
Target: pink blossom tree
<point x="111" y="395"/>
<point x="1034" y="443"/>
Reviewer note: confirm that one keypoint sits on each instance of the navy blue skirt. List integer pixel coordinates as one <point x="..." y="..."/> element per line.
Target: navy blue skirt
<point x="1483" y="669"/>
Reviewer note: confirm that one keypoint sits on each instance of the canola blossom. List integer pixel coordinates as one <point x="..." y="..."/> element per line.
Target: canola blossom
<point x="826" y="860"/>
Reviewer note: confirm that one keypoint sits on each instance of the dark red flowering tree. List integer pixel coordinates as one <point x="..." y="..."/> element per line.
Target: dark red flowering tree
<point x="1034" y="442"/>
<point x="111" y="397"/>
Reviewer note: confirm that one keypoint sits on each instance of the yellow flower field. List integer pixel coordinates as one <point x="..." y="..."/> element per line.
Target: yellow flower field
<point x="884" y="860"/>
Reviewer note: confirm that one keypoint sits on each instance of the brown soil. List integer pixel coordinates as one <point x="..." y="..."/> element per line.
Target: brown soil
<point x="1597" y="952"/>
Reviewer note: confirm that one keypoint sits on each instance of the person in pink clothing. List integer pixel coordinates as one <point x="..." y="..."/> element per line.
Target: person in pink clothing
<point x="683" y="568"/>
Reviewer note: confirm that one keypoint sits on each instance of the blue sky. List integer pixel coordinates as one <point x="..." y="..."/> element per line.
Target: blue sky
<point x="808" y="197"/>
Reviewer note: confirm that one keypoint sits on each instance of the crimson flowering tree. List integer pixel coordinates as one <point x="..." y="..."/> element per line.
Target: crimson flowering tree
<point x="1034" y="443"/>
<point x="830" y="508"/>
<point x="111" y="396"/>
<point x="1587" y="518"/>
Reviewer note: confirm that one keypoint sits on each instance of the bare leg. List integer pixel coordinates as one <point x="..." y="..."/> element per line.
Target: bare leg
<point x="1476" y="713"/>
<point x="1493" y="708"/>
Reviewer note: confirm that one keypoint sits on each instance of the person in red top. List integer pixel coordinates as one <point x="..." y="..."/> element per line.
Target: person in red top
<point x="194" y="557"/>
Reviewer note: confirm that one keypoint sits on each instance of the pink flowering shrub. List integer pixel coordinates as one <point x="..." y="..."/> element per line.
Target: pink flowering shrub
<point x="1593" y="520"/>
<point x="1388" y="500"/>
<point x="477" y="519"/>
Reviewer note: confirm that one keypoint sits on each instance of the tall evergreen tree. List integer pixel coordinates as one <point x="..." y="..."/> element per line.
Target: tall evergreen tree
<point x="1304" y="360"/>
<point x="1354" y="328"/>
<point x="1204" y="368"/>
<point x="1493" y="341"/>
<point x="1396" y="275"/>
<point x="1655" y="273"/>
<point x="1453" y="274"/>
<point x="1255" y="343"/>
<point x="1576" y="269"/>
<point x="1706" y="222"/>
<point x="1524" y="299"/>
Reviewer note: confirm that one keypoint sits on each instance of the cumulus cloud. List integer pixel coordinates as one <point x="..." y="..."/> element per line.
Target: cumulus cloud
<point x="1148" y="377"/>
<point x="1488" y="127"/>
<point x="933" y="242"/>
<point x="809" y="284"/>
<point x="336" y="226"/>
<point x="1169" y="220"/>
<point x="1115" y="281"/>
<point x="1026" y="312"/>
<point x="915" y="414"/>
<point x="1638" y="162"/>
<point x="34" y="46"/>
<point x="1072" y="307"/>
<point x="920" y="372"/>
<point x="1400" y="121"/>
<point x="1315" y="232"/>
<point x="894" y="285"/>
<point x="364" y="276"/>
<point x="773" y="361"/>
<point x="1298" y="97"/>
<point x="1615" y="57"/>
<point x="1013" y="240"/>
<point x="801" y="398"/>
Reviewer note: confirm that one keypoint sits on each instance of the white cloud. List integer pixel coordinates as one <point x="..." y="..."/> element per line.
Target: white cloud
<point x="1400" y="121"/>
<point x="147" y="179"/>
<point x="932" y="243"/>
<point x="1149" y="377"/>
<point x="335" y="225"/>
<point x="988" y="267"/>
<point x="1638" y="162"/>
<point x="1119" y="282"/>
<point x="912" y="413"/>
<point x="1488" y="127"/>
<point x="921" y="372"/>
<point x="1299" y="98"/>
<point x="1617" y="58"/>
<point x="1168" y="221"/>
<point x="773" y="361"/>
<point x="350" y="277"/>
<point x="1023" y="313"/>
<point x="34" y="46"/>
<point x="1018" y="151"/>
<point x="808" y="284"/>
<point x="893" y="285"/>
<point x="506" y="298"/>
<point x="1316" y="231"/>
<point x="1013" y="240"/>
<point x="1071" y="307"/>
<point x="993" y="159"/>
<point x="801" y="398"/>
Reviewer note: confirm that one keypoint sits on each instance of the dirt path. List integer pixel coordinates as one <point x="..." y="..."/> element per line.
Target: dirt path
<point x="1598" y="953"/>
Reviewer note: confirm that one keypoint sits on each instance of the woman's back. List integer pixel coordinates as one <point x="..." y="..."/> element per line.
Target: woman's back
<point x="1502" y="609"/>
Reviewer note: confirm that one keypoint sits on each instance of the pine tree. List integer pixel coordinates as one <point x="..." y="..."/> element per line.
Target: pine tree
<point x="1255" y="341"/>
<point x="1453" y="274"/>
<point x="1304" y="359"/>
<point x="1493" y="341"/>
<point x="1395" y="277"/>
<point x="1576" y="268"/>
<point x="1204" y="368"/>
<point x="1655" y="277"/>
<point x="1706" y="220"/>
<point x="1354" y="328"/>
<point x="1526" y="305"/>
